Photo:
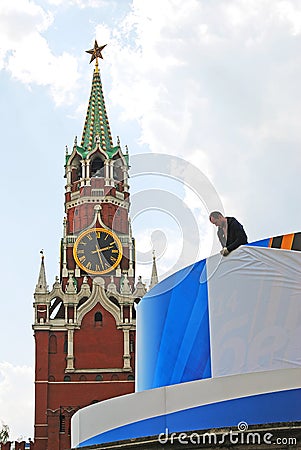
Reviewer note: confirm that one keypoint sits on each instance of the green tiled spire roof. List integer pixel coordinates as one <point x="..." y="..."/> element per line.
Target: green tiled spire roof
<point x="97" y="122"/>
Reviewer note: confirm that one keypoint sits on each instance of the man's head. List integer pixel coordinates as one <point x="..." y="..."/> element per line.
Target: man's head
<point x="217" y="218"/>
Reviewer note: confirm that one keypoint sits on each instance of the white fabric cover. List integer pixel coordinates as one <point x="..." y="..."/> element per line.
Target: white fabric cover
<point x="254" y="297"/>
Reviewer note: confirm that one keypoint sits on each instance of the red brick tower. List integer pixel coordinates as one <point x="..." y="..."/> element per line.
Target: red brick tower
<point x="84" y="327"/>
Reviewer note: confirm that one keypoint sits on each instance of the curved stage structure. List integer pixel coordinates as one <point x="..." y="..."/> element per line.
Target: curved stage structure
<point x="218" y="343"/>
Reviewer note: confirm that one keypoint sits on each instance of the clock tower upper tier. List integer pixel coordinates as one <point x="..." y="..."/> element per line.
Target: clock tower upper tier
<point x="97" y="190"/>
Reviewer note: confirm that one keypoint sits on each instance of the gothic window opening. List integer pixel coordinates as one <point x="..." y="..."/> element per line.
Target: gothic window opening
<point x="98" y="318"/>
<point x="117" y="171"/>
<point x="97" y="168"/>
<point x="118" y="175"/>
<point x="56" y="309"/>
<point x="76" y="169"/>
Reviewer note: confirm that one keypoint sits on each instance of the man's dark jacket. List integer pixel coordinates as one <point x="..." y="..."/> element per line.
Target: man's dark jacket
<point x="236" y="235"/>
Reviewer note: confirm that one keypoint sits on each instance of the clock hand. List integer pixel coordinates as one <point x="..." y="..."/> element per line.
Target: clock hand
<point x="98" y="252"/>
<point x="101" y="249"/>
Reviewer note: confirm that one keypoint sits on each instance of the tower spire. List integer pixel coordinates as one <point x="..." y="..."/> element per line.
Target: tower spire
<point x="41" y="287"/>
<point x="154" y="277"/>
<point x="96" y="123"/>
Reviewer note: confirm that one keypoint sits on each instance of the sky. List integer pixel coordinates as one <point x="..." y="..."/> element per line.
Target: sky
<point x="214" y="85"/>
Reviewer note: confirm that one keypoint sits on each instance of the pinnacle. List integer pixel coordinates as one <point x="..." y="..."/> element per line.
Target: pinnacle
<point x="41" y="287"/>
<point x="154" y="276"/>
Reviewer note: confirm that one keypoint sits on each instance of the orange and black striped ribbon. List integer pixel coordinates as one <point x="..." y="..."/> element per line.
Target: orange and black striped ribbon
<point x="290" y="241"/>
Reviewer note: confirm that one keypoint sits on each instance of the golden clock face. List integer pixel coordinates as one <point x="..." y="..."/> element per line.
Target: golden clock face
<point x="97" y="251"/>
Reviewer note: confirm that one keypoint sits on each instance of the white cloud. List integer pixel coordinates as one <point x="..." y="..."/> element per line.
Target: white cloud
<point x="16" y="399"/>
<point x="26" y="54"/>
<point x="18" y="19"/>
<point x="33" y="63"/>
<point x="80" y="3"/>
<point x="290" y="12"/>
<point x="22" y="17"/>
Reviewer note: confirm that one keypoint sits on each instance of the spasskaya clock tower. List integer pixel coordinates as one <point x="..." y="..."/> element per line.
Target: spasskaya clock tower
<point x="84" y="326"/>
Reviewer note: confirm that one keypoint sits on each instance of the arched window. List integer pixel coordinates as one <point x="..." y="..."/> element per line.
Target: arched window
<point x="117" y="170"/>
<point x="98" y="378"/>
<point x="131" y="378"/>
<point x="56" y="309"/>
<point x="67" y="378"/>
<point x="76" y="169"/>
<point x="52" y="344"/>
<point x="97" y="168"/>
<point x="51" y="378"/>
<point x="83" y="378"/>
<point x="98" y="318"/>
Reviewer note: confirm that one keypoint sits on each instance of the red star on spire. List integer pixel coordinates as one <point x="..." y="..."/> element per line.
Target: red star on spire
<point x="96" y="51"/>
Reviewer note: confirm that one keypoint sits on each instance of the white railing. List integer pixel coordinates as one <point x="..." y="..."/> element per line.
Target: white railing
<point x="75" y="195"/>
<point x="97" y="192"/>
<point x="120" y="195"/>
<point x="71" y="239"/>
